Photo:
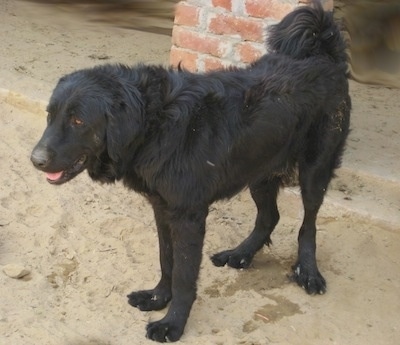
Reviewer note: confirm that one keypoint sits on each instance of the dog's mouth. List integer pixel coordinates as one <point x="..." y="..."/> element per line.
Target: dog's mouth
<point x="68" y="174"/>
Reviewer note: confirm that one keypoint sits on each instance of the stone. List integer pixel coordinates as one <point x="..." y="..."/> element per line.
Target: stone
<point x="15" y="271"/>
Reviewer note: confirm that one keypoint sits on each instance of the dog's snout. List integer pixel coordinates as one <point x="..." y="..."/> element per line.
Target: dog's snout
<point x="41" y="157"/>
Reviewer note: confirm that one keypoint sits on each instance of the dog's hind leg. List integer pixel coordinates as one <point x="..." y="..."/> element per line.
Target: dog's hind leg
<point x="158" y="297"/>
<point x="315" y="172"/>
<point x="317" y="163"/>
<point x="313" y="181"/>
<point x="264" y="194"/>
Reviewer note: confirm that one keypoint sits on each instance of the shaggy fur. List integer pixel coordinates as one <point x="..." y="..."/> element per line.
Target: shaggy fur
<point x="185" y="140"/>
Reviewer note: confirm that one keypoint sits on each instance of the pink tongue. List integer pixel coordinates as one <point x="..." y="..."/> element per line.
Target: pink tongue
<point x="54" y="176"/>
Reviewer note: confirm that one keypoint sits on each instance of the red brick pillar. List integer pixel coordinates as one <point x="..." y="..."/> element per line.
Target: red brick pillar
<point x="210" y="34"/>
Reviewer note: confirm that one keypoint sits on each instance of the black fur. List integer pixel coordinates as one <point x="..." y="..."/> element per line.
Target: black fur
<point x="184" y="140"/>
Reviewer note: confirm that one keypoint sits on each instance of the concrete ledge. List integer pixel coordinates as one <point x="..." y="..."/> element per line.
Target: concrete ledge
<point x="23" y="102"/>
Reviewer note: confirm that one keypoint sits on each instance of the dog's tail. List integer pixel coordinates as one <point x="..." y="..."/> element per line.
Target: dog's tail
<point x="305" y="32"/>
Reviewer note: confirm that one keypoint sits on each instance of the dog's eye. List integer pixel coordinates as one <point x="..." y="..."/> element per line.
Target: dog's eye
<point x="76" y="121"/>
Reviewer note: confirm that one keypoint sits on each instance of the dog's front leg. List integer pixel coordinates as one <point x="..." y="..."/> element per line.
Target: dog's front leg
<point x="158" y="298"/>
<point x="187" y="234"/>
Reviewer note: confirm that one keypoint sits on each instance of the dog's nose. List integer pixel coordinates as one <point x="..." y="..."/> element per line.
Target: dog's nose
<point x="40" y="157"/>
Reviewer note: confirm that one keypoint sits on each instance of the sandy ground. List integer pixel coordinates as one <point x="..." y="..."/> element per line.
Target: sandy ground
<point x="87" y="246"/>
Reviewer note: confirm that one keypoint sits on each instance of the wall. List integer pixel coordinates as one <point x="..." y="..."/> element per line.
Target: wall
<point x="211" y="34"/>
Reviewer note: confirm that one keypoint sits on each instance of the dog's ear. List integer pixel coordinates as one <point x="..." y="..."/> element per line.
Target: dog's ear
<point x="125" y="123"/>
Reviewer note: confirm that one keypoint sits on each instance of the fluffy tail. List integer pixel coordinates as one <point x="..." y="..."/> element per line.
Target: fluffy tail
<point x="307" y="31"/>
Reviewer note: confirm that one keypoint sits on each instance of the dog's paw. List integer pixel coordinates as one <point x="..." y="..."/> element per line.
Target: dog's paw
<point x="232" y="259"/>
<point x="310" y="280"/>
<point x="164" y="331"/>
<point x="147" y="300"/>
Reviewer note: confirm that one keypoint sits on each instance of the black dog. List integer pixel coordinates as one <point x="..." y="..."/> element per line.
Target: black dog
<point x="185" y="140"/>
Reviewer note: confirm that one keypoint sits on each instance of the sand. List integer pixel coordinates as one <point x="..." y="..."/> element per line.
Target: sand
<point x="85" y="246"/>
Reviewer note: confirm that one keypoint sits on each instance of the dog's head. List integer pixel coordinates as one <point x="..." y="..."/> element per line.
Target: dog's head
<point x="92" y="120"/>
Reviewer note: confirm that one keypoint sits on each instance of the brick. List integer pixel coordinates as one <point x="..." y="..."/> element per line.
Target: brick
<point x="248" y="52"/>
<point x="211" y="63"/>
<point x="187" y="59"/>
<point x="202" y="43"/>
<point x="247" y="28"/>
<point x="226" y="4"/>
<point x="326" y="4"/>
<point x="275" y="9"/>
<point x="186" y="14"/>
